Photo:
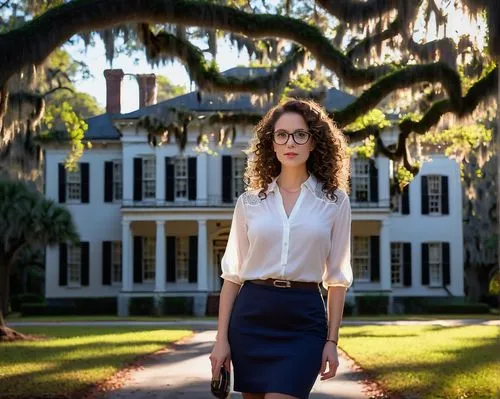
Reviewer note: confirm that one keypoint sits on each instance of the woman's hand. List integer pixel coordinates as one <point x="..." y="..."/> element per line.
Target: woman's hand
<point x="221" y="355"/>
<point x="331" y="356"/>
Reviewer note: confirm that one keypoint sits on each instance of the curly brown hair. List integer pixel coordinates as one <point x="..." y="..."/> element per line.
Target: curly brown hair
<point x="329" y="162"/>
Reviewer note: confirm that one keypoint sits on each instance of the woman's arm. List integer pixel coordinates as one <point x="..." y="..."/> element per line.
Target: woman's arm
<point x="228" y="294"/>
<point x="335" y="309"/>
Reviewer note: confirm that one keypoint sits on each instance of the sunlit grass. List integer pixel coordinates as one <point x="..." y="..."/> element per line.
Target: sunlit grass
<point x="429" y="361"/>
<point x="72" y="358"/>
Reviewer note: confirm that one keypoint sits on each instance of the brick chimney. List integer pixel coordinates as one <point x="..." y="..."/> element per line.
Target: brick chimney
<point x="147" y="89"/>
<point x="114" y="79"/>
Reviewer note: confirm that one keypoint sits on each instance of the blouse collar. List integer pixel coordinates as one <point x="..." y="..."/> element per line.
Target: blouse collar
<point x="310" y="183"/>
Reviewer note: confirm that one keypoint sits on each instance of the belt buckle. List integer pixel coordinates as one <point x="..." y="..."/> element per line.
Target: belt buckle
<point x="277" y="283"/>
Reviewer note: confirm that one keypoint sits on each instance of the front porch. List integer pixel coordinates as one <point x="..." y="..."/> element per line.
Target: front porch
<point x="172" y="253"/>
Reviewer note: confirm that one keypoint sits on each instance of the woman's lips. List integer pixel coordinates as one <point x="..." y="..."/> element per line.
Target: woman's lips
<point x="290" y="155"/>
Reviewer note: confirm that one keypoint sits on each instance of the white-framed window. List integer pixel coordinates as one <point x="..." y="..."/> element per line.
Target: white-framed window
<point x="361" y="258"/>
<point x="116" y="262"/>
<point x="181" y="178"/>
<point x="397" y="263"/>
<point x="149" y="177"/>
<point x="117" y="180"/>
<point x="434" y="193"/>
<point x="435" y="264"/>
<point x="360" y="180"/>
<point x="73" y="185"/>
<point x="148" y="259"/>
<point x="74" y="262"/>
<point x="238" y="171"/>
<point x="182" y="259"/>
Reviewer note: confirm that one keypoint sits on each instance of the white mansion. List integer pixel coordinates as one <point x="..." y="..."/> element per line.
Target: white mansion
<point x="155" y="223"/>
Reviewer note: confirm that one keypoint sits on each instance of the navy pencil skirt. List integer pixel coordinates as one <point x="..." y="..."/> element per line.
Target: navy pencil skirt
<point x="276" y="337"/>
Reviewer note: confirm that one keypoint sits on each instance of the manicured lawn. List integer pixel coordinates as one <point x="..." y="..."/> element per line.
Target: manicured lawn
<point x="429" y="361"/>
<point x="17" y="317"/>
<point x="72" y="358"/>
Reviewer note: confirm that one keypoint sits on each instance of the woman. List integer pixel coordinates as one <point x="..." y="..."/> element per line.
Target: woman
<point x="290" y="233"/>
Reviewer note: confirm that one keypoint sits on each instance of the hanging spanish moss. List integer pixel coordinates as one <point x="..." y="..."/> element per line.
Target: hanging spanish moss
<point x="376" y="26"/>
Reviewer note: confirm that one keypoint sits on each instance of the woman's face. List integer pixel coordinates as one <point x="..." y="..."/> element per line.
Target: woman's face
<point x="291" y="122"/>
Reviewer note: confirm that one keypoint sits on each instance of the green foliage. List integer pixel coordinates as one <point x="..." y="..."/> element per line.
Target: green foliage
<point x="403" y="176"/>
<point x="494" y="286"/>
<point x="75" y="128"/>
<point x="363" y="149"/>
<point x="374" y="117"/>
<point x="166" y="89"/>
<point x="458" y="141"/>
<point x="303" y="81"/>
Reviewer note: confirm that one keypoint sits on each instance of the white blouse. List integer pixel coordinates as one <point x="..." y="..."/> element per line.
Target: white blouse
<point x="313" y="244"/>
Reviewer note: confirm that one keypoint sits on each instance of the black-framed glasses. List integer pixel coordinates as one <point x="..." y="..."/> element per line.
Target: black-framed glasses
<point x="300" y="136"/>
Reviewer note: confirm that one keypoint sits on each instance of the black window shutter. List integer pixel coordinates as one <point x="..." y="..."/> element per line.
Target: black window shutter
<point x="63" y="264"/>
<point x="171" y="258"/>
<point x="193" y="259"/>
<point x="106" y="263"/>
<point x="445" y="208"/>
<point x="425" y="196"/>
<point x="227" y="176"/>
<point x="445" y="248"/>
<point x="407" y="264"/>
<point x="373" y="181"/>
<point x="62" y="183"/>
<point x="374" y="258"/>
<point x="108" y="181"/>
<point x="137" y="179"/>
<point x="137" y="259"/>
<point x="169" y="179"/>
<point x="405" y="200"/>
<point x="192" y="178"/>
<point x="84" y="181"/>
<point x="425" y="263"/>
<point x="84" y="261"/>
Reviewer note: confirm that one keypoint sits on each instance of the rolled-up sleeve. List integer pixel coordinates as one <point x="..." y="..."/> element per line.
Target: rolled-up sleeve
<point x="338" y="270"/>
<point x="237" y="245"/>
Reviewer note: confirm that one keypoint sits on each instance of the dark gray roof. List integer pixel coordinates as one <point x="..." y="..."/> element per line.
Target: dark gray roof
<point x="101" y="127"/>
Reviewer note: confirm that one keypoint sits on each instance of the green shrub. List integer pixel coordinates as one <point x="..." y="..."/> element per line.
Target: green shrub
<point x="372" y="304"/>
<point x="142" y="306"/>
<point x="469" y="308"/>
<point x="17" y="300"/>
<point x="181" y="305"/>
<point x="72" y="307"/>
<point x="33" y="309"/>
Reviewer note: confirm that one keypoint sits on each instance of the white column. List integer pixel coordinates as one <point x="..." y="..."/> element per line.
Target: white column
<point x="128" y="175"/>
<point x="202" y="256"/>
<point x="160" y="266"/>
<point x="160" y="176"/>
<point x="385" y="257"/>
<point x="383" y="181"/>
<point x="127" y="279"/>
<point x="202" y="177"/>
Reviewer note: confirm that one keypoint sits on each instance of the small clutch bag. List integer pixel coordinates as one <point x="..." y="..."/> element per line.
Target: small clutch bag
<point x="220" y="387"/>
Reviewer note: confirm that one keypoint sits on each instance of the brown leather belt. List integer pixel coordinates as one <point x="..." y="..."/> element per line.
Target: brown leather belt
<point x="286" y="283"/>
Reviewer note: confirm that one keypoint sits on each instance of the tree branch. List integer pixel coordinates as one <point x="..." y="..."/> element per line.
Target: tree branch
<point x="164" y="43"/>
<point x="482" y="89"/>
<point x="38" y="38"/>
<point x="356" y="12"/>
<point x="437" y="72"/>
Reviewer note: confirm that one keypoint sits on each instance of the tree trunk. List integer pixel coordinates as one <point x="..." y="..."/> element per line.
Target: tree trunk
<point x="477" y="278"/>
<point x="6" y="333"/>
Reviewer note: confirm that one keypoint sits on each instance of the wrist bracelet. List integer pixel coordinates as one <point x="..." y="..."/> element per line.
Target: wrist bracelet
<point x="332" y="340"/>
